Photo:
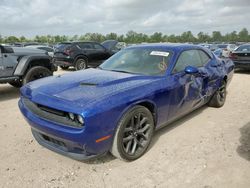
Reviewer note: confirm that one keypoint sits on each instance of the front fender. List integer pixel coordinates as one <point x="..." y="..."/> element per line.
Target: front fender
<point x="25" y="61"/>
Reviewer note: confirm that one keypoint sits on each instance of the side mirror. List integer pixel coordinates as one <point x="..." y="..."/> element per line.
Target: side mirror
<point x="191" y="70"/>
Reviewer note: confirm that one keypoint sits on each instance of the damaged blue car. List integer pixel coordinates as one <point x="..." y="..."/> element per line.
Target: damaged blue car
<point x="117" y="107"/>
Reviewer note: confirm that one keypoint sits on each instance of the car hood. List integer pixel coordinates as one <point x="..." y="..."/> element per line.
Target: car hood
<point x="27" y="51"/>
<point x="84" y="87"/>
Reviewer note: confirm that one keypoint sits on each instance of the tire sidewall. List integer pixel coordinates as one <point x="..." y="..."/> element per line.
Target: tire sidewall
<point x="79" y="62"/>
<point x="117" y="148"/>
<point x="34" y="70"/>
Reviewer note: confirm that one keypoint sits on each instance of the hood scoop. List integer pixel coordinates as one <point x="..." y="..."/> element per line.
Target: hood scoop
<point x="87" y="84"/>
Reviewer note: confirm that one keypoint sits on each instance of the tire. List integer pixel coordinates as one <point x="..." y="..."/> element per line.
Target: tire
<point x="219" y="97"/>
<point x="131" y="140"/>
<point x="16" y="83"/>
<point x="81" y="64"/>
<point x="64" y="67"/>
<point x="36" y="73"/>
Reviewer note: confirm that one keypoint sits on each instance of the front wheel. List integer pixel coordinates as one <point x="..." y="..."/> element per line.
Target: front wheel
<point x="35" y="73"/>
<point x="219" y="97"/>
<point x="133" y="134"/>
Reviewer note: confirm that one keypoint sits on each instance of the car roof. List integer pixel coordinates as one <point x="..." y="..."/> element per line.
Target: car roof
<point x="168" y="46"/>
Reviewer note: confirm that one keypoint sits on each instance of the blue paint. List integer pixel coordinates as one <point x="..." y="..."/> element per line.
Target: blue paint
<point x="102" y="97"/>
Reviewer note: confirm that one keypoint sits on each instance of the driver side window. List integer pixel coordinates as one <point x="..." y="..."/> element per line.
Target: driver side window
<point x="187" y="58"/>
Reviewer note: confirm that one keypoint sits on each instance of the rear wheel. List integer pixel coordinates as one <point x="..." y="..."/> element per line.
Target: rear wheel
<point x="81" y="64"/>
<point x="36" y="73"/>
<point x="64" y="67"/>
<point x="134" y="134"/>
<point x="219" y="97"/>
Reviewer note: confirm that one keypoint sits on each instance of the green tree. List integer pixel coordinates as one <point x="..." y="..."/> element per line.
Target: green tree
<point x="156" y="37"/>
<point x="111" y="36"/>
<point x="216" y="36"/>
<point x="11" y="39"/>
<point x="203" y="37"/>
<point x="243" y="35"/>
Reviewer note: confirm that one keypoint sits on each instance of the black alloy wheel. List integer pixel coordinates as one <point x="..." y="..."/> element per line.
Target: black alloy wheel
<point x="134" y="134"/>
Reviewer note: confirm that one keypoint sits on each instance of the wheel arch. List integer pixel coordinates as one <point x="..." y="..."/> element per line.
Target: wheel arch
<point x="150" y="105"/>
<point x="26" y="62"/>
<point x="81" y="56"/>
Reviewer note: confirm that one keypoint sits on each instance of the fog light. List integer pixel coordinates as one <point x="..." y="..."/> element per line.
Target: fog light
<point x="71" y="116"/>
<point x="80" y="119"/>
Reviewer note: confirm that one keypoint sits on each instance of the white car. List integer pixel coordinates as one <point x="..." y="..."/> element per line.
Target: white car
<point x="226" y="49"/>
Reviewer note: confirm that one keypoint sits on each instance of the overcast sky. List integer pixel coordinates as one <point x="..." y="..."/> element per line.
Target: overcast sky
<point x="70" y="17"/>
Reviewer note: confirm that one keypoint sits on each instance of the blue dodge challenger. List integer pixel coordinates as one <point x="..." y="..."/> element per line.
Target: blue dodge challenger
<point x="118" y="106"/>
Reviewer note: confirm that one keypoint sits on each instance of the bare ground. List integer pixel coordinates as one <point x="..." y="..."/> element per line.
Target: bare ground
<point x="208" y="148"/>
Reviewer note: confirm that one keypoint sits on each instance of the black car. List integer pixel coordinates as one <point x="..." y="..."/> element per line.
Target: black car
<point x="80" y="54"/>
<point x="241" y="57"/>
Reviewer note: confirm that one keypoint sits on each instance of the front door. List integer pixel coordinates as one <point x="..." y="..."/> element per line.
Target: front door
<point x="187" y="92"/>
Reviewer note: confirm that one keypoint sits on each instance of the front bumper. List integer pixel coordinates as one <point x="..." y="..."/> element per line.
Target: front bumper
<point x="62" y="147"/>
<point x="76" y="143"/>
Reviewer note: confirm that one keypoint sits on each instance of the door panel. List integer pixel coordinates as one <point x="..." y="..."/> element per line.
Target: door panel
<point x="9" y="63"/>
<point x="1" y="64"/>
<point x="185" y="94"/>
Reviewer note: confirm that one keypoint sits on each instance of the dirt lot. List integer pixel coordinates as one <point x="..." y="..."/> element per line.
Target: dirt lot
<point x="208" y="148"/>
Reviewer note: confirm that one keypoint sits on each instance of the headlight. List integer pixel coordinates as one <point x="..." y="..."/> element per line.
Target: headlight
<point x="80" y="119"/>
<point x="71" y="116"/>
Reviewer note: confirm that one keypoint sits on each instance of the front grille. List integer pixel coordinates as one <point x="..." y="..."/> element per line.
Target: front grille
<point x="51" y="114"/>
<point x="54" y="141"/>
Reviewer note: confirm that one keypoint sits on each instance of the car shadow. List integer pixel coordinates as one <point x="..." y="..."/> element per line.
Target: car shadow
<point x="8" y="92"/>
<point x="241" y="71"/>
<point x="244" y="148"/>
<point x="162" y="131"/>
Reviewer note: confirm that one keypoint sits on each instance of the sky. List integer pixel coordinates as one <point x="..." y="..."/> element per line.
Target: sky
<point x="77" y="17"/>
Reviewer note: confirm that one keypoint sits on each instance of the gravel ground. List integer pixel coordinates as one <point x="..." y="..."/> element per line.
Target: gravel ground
<point x="208" y="148"/>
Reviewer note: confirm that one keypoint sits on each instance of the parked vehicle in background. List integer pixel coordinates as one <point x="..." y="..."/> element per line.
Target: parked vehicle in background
<point x="218" y="52"/>
<point x="23" y="44"/>
<point x="241" y="57"/>
<point x="118" y="106"/>
<point x="113" y="45"/>
<point x="47" y="49"/>
<point x="20" y="65"/>
<point x="226" y="49"/>
<point x="82" y="54"/>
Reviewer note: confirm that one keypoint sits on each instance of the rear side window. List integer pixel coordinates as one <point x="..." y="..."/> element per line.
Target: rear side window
<point x="85" y="46"/>
<point x="204" y="57"/>
<point x="188" y="58"/>
<point x="98" y="47"/>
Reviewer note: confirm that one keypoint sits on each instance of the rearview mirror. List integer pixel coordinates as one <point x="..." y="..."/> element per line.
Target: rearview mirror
<point x="191" y="70"/>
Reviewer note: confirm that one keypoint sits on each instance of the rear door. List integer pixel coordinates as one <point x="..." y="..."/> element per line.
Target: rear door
<point x="8" y="62"/>
<point x="187" y="91"/>
<point x="95" y="52"/>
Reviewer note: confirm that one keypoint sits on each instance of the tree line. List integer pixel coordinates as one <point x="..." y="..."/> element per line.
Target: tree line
<point x="135" y="37"/>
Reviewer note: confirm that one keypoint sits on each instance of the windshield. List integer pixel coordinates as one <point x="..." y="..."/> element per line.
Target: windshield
<point x="243" y="48"/>
<point x="138" y="61"/>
